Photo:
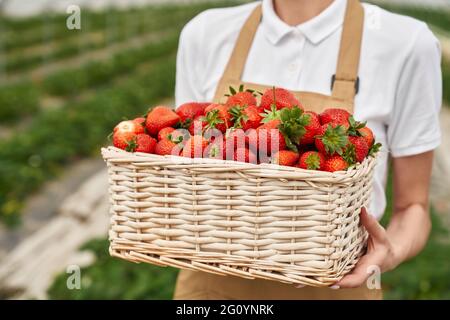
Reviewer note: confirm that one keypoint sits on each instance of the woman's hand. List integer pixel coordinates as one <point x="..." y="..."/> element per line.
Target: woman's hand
<point x="380" y="253"/>
<point x="410" y="224"/>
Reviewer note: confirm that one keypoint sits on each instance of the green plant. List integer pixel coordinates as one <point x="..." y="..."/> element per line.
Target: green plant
<point x="60" y="136"/>
<point x="18" y="100"/>
<point x="157" y="20"/>
<point x="100" y="73"/>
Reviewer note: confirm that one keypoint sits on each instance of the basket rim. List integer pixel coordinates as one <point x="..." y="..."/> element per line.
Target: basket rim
<point x="113" y="155"/>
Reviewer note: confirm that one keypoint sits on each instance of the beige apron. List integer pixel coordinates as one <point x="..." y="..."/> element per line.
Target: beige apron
<point x="201" y="285"/>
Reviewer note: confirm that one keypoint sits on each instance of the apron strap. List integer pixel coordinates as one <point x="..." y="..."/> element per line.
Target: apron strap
<point x="344" y="81"/>
<point x="236" y="63"/>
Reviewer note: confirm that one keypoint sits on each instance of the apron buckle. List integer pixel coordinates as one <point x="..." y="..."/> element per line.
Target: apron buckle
<point x="333" y="79"/>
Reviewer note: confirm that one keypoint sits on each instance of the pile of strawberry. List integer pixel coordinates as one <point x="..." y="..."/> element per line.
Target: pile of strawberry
<point x="277" y="130"/>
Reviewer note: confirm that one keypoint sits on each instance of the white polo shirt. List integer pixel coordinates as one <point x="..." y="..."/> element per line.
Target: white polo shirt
<point x="400" y="91"/>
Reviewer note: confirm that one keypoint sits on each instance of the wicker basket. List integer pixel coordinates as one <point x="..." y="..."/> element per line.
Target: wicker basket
<point x="230" y="218"/>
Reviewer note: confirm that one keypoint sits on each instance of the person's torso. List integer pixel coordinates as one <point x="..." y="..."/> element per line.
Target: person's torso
<point x="304" y="58"/>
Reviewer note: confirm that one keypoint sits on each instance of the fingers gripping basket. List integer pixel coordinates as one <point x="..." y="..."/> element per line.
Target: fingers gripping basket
<point x="230" y="218"/>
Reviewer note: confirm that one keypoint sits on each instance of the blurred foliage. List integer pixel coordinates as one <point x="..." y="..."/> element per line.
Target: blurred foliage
<point x="58" y="136"/>
<point x="18" y="100"/>
<point x="134" y="24"/>
<point x="426" y="276"/>
<point x="438" y="17"/>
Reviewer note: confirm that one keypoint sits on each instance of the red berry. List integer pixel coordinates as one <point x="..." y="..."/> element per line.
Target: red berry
<point x="142" y="143"/>
<point x="335" y="163"/>
<point x="160" y="117"/>
<point x="367" y="133"/>
<point x="244" y="98"/>
<point x="312" y="160"/>
<point x="167" y="147"/>
<point x="164" y="132"/>
<point x="360" y="148"/>
<point x="331" y="138"/>
<point x="285" y="158"/>
<point x="195" y="147"/>
<point x="335" y="116"/>
<point x="280" y="97"/>
<point x="312" y="128"/>
<point x="191" y="110"/>
<point x="125" y="132"/>
<point x="245" y="155"/>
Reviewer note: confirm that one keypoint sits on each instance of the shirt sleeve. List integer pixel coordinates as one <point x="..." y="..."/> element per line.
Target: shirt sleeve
<point x="414" y="123"/>
<point x="187" y="84"/>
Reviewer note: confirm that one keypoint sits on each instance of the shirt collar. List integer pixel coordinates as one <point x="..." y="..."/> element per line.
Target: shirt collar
<point x="315" y="30"/>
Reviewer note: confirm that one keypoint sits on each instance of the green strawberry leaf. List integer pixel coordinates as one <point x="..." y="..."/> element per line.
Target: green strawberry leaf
<point x="374" y="148"/>
<point x="353" y="130"/>
<point x="175" y="140"/>
<point x="349" y="154"/>
<point x="312" y="162"/>
<point x="212" y="119"/>
<point x="273" y="114"/>
<point x="293" y="123"/>
<point x="238" y="116"/>
<point x="131" y="145"/>
<point x="335" y="139"/>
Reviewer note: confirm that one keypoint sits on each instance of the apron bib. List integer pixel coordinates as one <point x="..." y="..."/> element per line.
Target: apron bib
<point x="201" y="285"/>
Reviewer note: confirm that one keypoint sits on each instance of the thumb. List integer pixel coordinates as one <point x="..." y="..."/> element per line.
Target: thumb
<point x="375" y="230"/>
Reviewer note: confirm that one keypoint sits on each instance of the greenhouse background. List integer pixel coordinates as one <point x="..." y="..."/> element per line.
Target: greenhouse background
<point x="61" y="92"/>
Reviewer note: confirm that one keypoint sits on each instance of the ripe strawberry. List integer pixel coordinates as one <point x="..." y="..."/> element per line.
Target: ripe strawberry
<point x="217" y="116"/>
<point x="285" y="158"/>
<point x="360" y="149"/>
<point x="367" y="133"/>
<point x="266" y="137"/>
<point x="125" y="132"/>
<point x="312" y="160"/>
<point x="335" y="163"/>
<point x="217" y="150"/>
<point x="164" y="132"/>
<point x="194" y="147"/>
<point x="335" y="116"/>
<point x="273" y="124"/>
<point x="235" y="138"/>
<point x="245" y="117"/>
<point x="140" y="121"/>
<point x="331" y="139"/>
<point x="280" y="97"/>
<point x="160" y="117"/>
<point x="142" y="143"/>
<point x="197" y="126"/>
<point x="167" y="147"/>
<point x="189" y="111"/>
<point x="244" y="155"/>
<point x="241" y="98"/>
<point x="312" y="128"/>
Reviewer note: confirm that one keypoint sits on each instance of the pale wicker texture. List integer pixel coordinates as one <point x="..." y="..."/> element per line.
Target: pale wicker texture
<point x="230" y="218"/>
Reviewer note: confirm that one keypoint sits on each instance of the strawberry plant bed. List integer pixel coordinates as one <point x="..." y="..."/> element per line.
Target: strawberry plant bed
<point x="59" y="136"/>
<point x="74" y="81"/>
<point x="52" y="27"/>
<point x="155" y="21"/>
<point x="18" y="100"/>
